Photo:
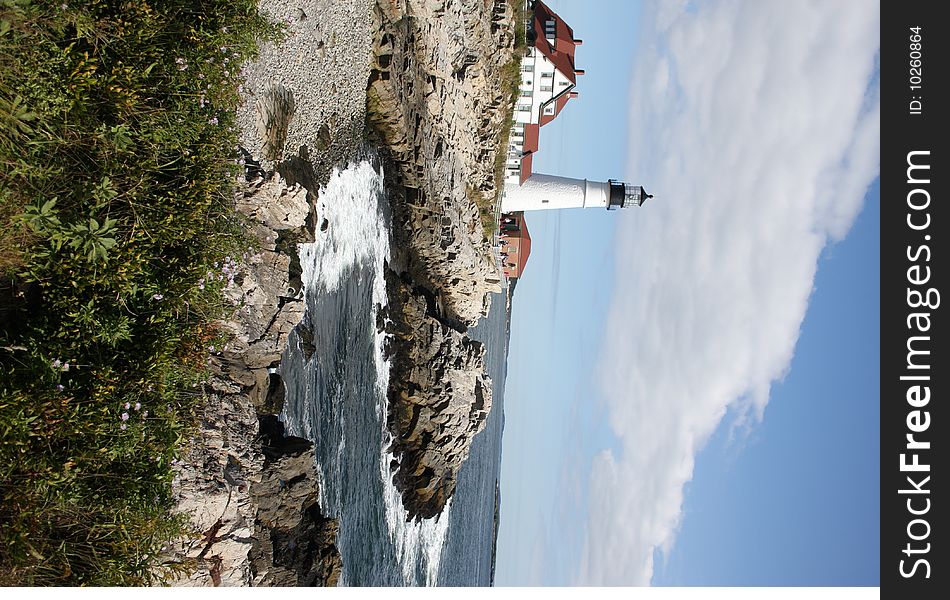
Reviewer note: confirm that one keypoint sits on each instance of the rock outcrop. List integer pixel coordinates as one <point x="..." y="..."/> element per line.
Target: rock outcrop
<point x="436" y="97"/>
<point x="250" y="491"/>
<point x="436" y="100"/>
<point x="439" y="398"/>
<point x="296" y="543"/>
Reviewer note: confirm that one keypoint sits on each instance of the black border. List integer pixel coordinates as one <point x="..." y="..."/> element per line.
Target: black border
<point x="901" y="133"/>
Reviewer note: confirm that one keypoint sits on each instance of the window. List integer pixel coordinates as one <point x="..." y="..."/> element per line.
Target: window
<point x="563" y="83"/>
<point x="549" y="110"/>
<point x="547" y="75"/>
<point x="547" y="88"/>
<point x="527" y="93"/>
<point x="527" y="68"/>
<point x="524" y="107"/>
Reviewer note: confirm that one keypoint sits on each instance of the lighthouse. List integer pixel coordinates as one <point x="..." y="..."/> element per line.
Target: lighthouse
<point x="549" y="78"/>
<point x="548" y="82"/>
<point x="551" y="192"/>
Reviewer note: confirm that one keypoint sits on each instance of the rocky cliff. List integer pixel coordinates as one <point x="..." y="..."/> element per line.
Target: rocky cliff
<point x="247" y="488"/>
<point x="438" y="401"/>
<point x="250" y="490"/>
<point x="428" y="71"/>
<point x="435" y="96"/>
<point x="436" y="101"/>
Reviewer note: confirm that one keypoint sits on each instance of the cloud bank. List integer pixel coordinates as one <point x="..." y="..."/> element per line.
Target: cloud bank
<point x="757" y="126"/>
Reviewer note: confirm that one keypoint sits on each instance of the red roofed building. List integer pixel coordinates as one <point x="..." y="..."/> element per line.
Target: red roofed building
<point x="548" y="79"/>
<point x="515" y="244"/>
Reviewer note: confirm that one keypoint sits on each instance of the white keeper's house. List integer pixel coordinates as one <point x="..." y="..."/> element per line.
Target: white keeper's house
<point x="548" y="81"/>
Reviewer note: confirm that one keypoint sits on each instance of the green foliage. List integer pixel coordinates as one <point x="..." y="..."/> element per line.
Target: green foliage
<point x="486" y="211"/>
<point x="117" y="149"/>
<point x="511" y="84"/>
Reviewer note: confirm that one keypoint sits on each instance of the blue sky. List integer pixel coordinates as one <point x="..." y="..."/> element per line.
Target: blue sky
<point x="692" y="387"/>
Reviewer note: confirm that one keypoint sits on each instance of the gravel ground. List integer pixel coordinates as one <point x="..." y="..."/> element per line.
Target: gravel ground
<point x="324" y="61"/>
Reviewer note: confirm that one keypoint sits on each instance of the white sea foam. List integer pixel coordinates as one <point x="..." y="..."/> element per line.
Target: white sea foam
<point x="412" y="540"/>
<point x="356" y="234"/>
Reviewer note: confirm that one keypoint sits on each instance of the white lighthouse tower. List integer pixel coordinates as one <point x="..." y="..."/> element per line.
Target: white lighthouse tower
<point x="550" y="192"/>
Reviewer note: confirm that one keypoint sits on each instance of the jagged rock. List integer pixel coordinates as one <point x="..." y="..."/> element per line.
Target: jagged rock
<point x="436" y="98"/>
<point x="296" y="543"/>
<point x="256" y="529"/>
<point x="439" y="398"/>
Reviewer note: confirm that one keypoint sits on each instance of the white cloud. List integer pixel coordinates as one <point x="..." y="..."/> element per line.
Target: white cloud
<point x="753" y="123"/>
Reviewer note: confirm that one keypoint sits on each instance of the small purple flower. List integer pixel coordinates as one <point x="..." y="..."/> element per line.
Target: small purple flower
<point x="60" y="387"/>
<point x="57" y="364"/>
<point x="157" y="297"/>
<point x="213" y="121"/>
<point x="211" y="348"/>
<point x="65" y="366"/>
<point x="123" y="427"/>
<point x="145" y="414"/>
<point x="138" y="405"/>
<point x="125" y="416"/>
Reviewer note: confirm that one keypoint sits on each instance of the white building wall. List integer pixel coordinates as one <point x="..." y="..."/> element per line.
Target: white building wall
<point x="550" y="192"/>
<point x="540" y="82"/>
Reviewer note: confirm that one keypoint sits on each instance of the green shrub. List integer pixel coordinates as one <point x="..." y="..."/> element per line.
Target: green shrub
<point x="117" y="153"/>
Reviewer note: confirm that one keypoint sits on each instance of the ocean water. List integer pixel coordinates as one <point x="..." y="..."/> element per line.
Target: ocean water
<point x="337" y="399"/>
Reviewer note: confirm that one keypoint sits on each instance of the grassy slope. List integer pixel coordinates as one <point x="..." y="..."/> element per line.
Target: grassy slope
<point x="511" y="76"/>
<point x="117" y="146"/>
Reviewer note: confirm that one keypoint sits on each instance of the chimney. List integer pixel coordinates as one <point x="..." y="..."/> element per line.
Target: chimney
<point x="574" y="94"/>
<point x="578" y="42"/>
<point x="579" y="71"/>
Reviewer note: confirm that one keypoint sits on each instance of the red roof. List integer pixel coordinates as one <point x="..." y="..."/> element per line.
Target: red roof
<point x="558" y="105"/>
<point x="519" y="246"/>
<point x="526" y="161"/>
<point x="525" y="249"/>
<point x="531" y="134"/>
<point x="562" y="55"/>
